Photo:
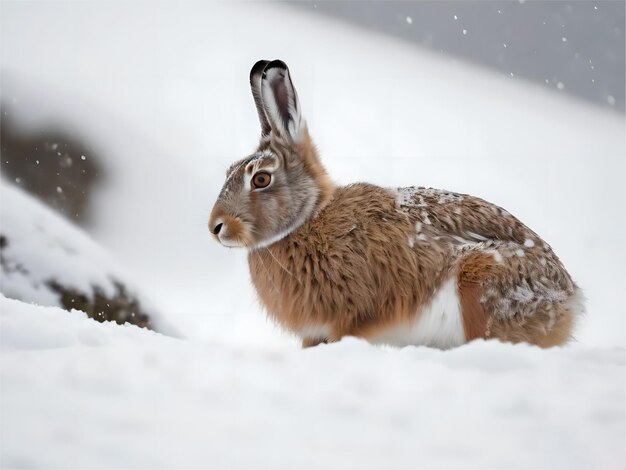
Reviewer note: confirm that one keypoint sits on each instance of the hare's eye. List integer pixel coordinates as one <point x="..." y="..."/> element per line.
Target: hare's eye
<point x="261" y="180"/>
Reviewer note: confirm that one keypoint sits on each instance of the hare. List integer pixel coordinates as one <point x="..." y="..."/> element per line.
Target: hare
<point x="408" y="266"/>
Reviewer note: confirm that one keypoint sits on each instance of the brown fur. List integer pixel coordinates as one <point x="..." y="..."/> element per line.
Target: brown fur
<point x="312" y="342"/>
<point x="476" y="267"/>
<point x="306" y="149"/>
<point x="474" y="315"/>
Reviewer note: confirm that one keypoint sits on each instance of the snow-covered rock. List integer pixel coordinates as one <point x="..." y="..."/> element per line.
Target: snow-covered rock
<point x="46" y="260"/>
<point x="82" y="394"/>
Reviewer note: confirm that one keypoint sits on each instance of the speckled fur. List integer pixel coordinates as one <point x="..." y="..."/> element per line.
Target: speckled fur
<point x="368" y="258"/>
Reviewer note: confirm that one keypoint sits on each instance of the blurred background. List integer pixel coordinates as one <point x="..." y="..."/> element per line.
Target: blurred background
<point x="123" y="117"/>
<point x="513" y="38"/>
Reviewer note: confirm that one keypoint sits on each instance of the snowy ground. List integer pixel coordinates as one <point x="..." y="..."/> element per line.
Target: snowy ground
<point x="82" y="394"/>
<point x="163" y="95"/>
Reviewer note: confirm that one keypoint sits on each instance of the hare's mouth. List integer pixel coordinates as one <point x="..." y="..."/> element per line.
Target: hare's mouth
<point x="231" y="243"/>
<point x="233" y="240"/>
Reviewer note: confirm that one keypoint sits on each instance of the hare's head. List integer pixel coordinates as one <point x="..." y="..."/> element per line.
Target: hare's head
<point x="272" y="192"/>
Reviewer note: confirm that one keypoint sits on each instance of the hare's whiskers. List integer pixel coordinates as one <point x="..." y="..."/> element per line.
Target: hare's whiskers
<point x="281" y="265"/>
<point x="269" y="276"/>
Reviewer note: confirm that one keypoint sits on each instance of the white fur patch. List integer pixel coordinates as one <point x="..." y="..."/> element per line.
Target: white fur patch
<point x="439" y="324"/>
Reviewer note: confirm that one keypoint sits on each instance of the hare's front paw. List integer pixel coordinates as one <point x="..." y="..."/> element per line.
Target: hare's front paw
<point x="310" y="342"/>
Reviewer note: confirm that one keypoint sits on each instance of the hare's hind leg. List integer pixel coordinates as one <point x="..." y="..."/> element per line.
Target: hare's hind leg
<point x="517" y="296"/>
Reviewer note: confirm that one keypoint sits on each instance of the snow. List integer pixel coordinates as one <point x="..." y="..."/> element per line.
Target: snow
<point x="405" y="196"/>
<point x="165" y="101"/>
<point x="86" y="394"/>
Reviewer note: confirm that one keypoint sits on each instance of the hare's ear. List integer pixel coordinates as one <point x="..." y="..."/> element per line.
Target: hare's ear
<point x="280" y="101"/>
<point x="256" y="75"/>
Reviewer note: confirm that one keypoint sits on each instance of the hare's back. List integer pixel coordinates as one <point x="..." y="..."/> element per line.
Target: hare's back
<point x="510" y="283"/>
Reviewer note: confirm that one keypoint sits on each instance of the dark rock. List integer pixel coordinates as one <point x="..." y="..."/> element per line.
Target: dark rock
<point x="52" y="164"/>
<point x="122" y="308"/>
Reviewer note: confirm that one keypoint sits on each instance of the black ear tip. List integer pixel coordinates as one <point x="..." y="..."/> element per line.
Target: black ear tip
<point x="258" y="67"/>
<point x="275" y="64"/>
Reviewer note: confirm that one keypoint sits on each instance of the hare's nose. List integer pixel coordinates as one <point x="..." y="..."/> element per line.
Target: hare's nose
<point x="217" y="228"/>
